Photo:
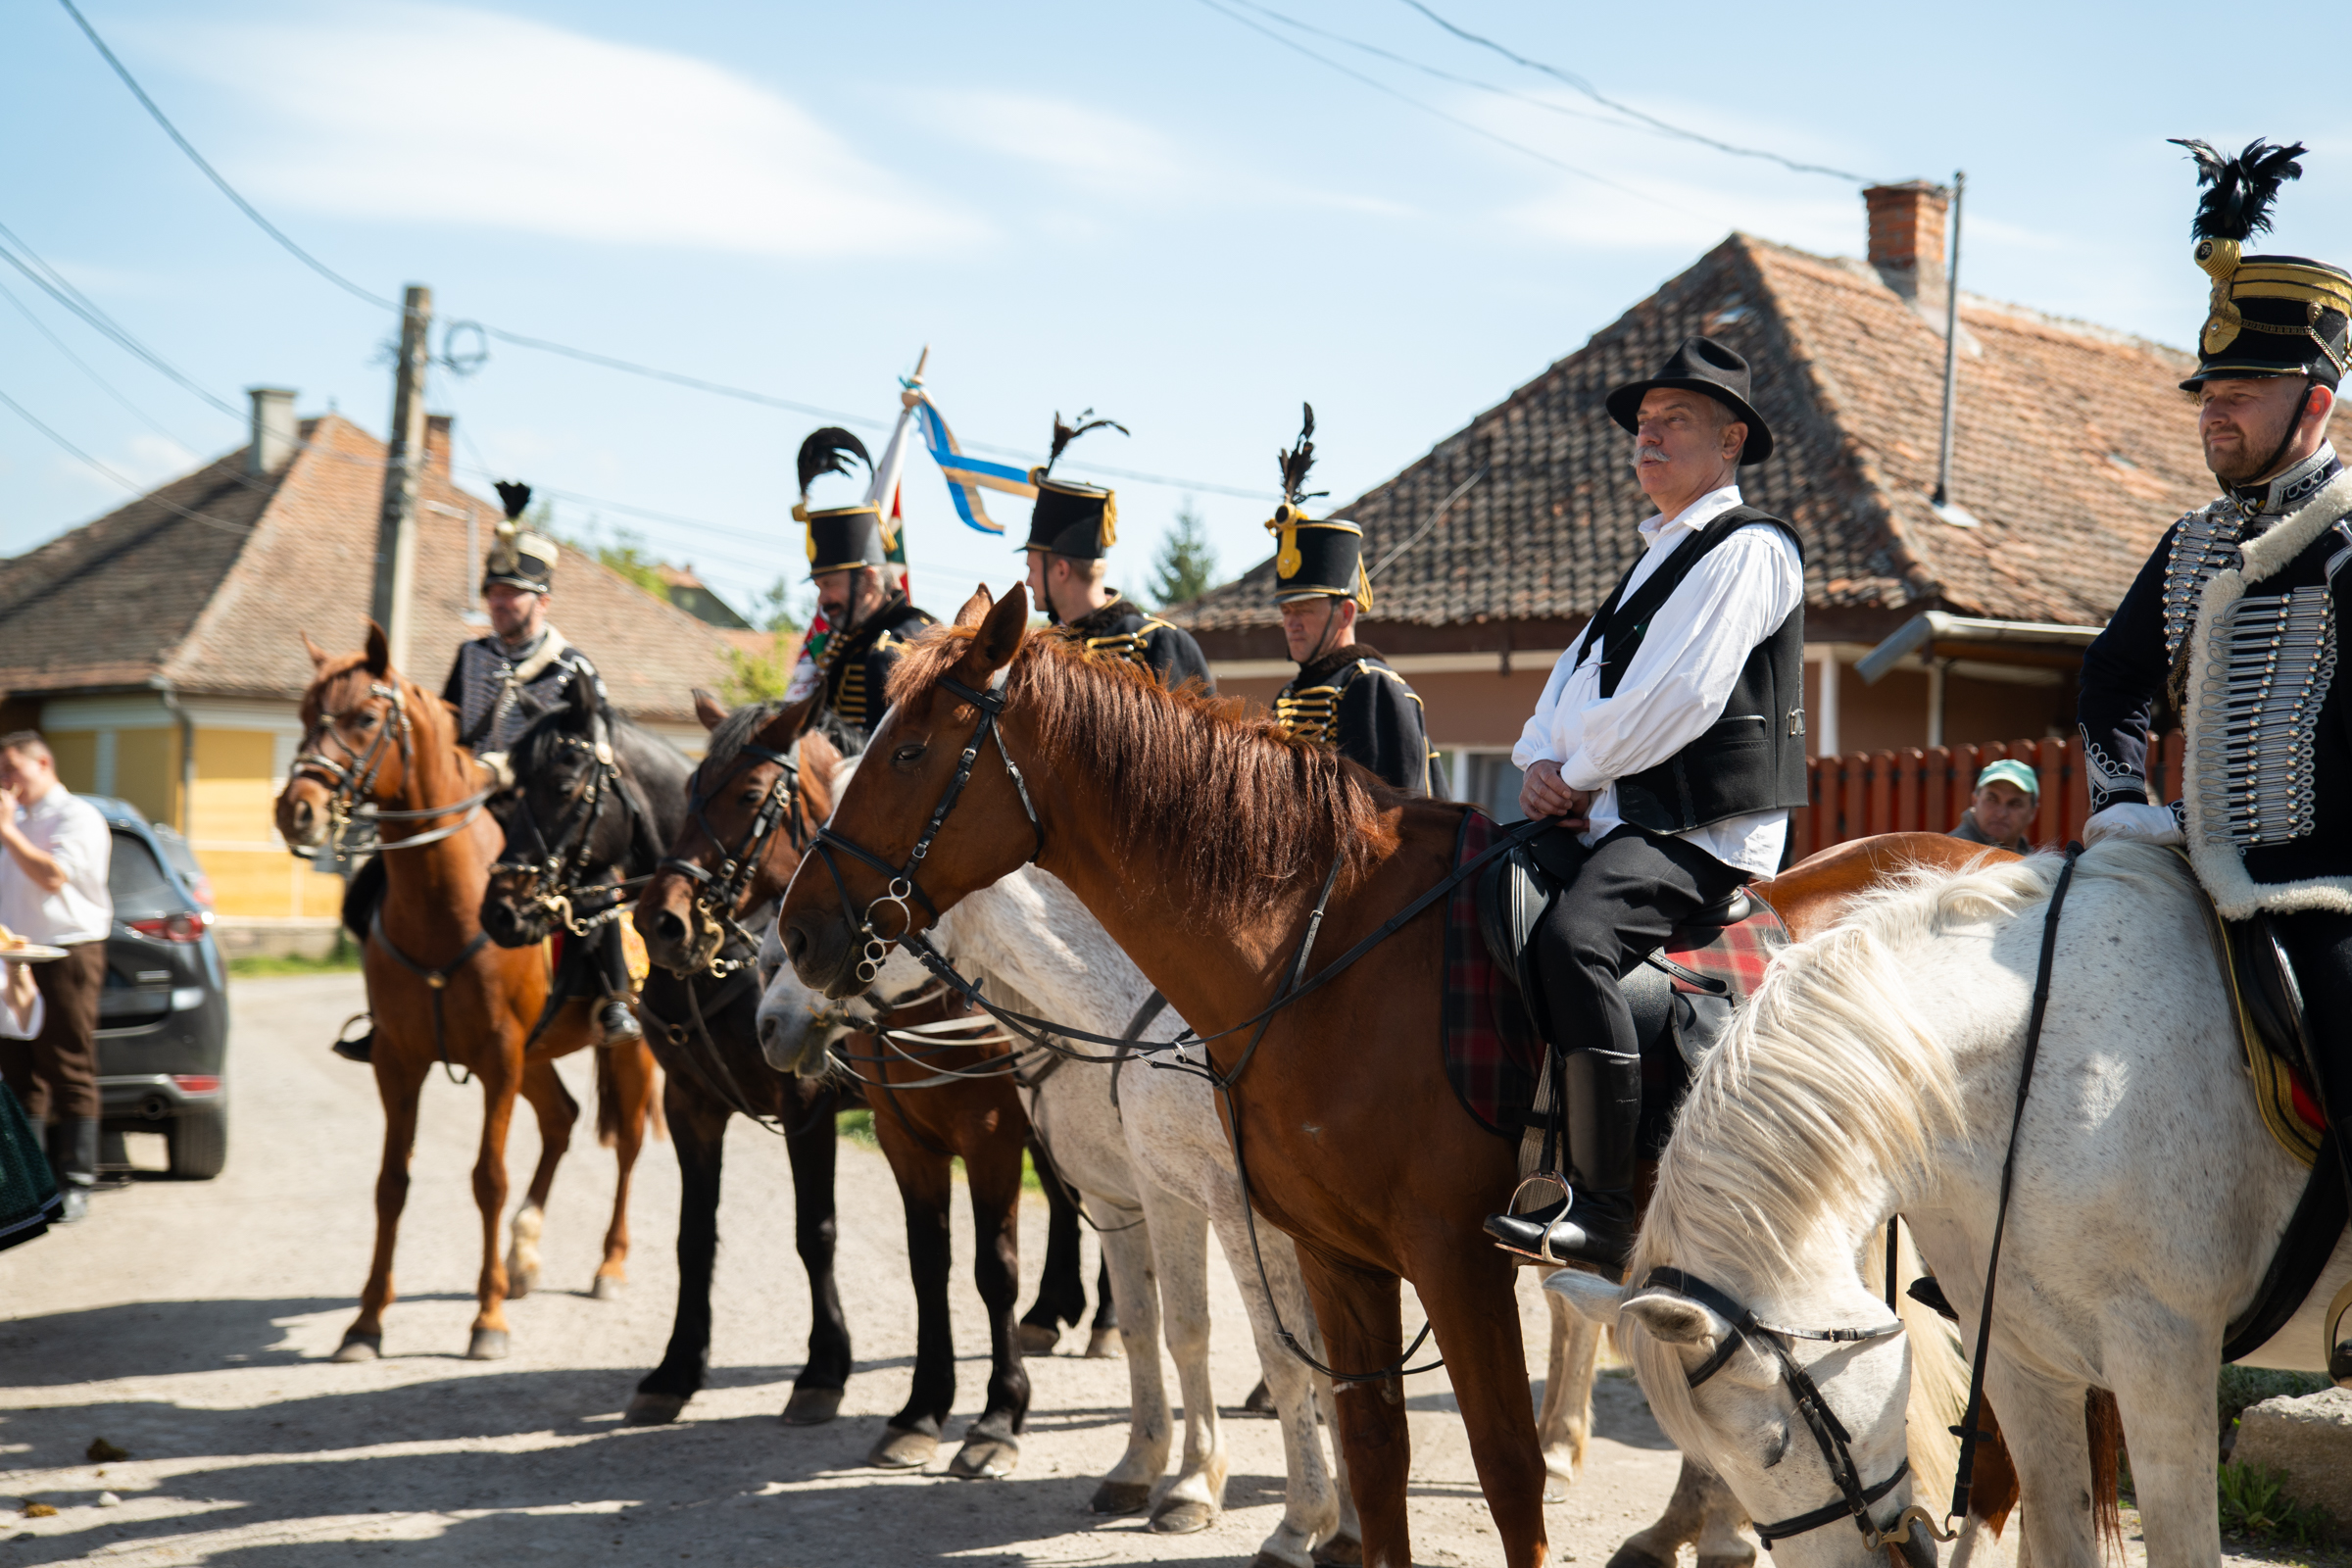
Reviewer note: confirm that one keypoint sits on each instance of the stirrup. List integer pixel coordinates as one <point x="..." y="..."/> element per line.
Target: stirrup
<point x="1567" y="1205"/>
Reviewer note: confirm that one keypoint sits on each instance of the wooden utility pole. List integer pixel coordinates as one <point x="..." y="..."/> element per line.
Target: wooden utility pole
<point x="394" y="600"/>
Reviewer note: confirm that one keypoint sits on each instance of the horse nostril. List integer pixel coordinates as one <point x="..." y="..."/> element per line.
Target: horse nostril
<point x="668" y="927"/>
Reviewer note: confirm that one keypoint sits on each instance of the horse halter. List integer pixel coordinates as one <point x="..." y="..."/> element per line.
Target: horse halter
<point x="1829" y="1433"/>
<point x="902" y="883"/>
<point x="717" y="895"/>
<point x="352" y="781"/>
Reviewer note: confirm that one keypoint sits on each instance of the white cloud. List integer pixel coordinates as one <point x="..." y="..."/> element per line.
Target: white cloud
<point x="1073" y="138"/>
<point x="419" y="111"/>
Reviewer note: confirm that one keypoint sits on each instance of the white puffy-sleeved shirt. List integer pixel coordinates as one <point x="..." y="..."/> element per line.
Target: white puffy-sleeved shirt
<point x="69" y="830"/>
<point x="1679" y="679"/>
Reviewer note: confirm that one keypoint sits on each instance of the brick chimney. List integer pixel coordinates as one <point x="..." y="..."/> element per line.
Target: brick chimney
<point x="1907" y="237"/>
<point x="436" y="443"/>
<point x="274" y="435"/>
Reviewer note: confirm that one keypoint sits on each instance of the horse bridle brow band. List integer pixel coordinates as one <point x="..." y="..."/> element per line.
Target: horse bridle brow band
<point x="1829" y="1433"/>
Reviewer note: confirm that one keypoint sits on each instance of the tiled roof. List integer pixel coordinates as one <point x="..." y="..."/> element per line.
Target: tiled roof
<point x="2074" y="451"/>
<point x="215" y="604"/>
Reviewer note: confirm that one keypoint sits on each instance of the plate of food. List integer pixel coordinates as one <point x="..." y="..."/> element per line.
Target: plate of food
<point x="16" y="950"/>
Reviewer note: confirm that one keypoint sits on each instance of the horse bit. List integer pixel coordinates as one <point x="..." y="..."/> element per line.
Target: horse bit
<point x="556" y="878"/>
<point x="352" y="781"/>
<point x="1829" y="1433"/>
<point x="717" y="897"/>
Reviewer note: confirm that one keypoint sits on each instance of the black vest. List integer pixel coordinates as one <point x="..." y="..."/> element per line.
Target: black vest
<point x="1751" y="759"/>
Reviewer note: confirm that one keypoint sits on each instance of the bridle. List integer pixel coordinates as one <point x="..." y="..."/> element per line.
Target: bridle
<point x="902" y="883"/>
<point x="350" y="781"/>
<point x="719" y="895"/>
<point x="556" y="877"/>
<point x="1829" y="1433"/>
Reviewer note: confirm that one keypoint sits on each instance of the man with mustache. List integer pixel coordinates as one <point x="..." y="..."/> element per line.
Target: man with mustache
<point x="1668" y="749"/>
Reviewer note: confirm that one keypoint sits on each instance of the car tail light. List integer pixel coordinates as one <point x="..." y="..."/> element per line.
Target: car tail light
<point x="188" y="926"/>
<point x="197" y="1083"/>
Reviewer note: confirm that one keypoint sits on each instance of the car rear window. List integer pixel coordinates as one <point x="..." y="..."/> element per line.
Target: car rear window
<point x="137" y="881"/>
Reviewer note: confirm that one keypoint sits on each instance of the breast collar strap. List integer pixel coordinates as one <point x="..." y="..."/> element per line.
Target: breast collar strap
<point x="1829" y="1433"/>
<point x="904" y="884"/>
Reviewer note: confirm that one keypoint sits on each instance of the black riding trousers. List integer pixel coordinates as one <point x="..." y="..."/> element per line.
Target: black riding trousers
<point x="2321" y="942"/>
<point x="1633" y="890"/>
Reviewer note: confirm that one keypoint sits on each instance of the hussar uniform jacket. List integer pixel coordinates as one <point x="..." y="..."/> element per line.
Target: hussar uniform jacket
<point x="1351" y="701"/>
<point x="498" y="690"/>
<point x="1121" y="630"/>
<point x="858" y="667"/>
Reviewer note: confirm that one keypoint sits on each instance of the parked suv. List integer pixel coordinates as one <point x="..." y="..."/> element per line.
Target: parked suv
<point x="162" y="1018"/>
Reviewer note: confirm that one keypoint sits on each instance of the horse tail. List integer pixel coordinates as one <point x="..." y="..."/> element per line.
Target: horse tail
<point x="610" y="1102"/>
<point x="2103" y="1425"/>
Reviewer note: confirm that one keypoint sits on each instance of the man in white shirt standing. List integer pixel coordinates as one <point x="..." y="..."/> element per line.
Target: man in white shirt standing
<point x="1668" y="748"/>
<point x="55" y="852"/>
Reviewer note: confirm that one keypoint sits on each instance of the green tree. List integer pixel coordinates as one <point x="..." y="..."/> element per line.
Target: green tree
<point x="762" y="676"/>
<point x="782" y="607"/>
<point x="1185" y="564"/>
<point x="626" y="553"/>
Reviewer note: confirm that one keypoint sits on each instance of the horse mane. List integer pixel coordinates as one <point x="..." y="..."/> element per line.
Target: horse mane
<point x="735" y="731"/>
<point x="1231" y="800"/>
<point x="1832" y="1084"/>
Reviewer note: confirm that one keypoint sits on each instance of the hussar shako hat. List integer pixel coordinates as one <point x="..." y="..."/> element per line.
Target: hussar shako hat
<point x="1074" y="519"/>
<point x="840" y="538"/>
<point x="1317" y="558"/>
<point x="2269" y="314"/>
<point x="1700" y="365"/>
<point x="519" y="557"/>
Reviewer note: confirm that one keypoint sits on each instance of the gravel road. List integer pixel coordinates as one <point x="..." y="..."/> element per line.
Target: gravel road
<point x="188" y="1323"/>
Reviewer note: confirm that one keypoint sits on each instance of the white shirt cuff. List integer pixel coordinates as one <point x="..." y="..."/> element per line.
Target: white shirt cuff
<point x="1579" y="774"/>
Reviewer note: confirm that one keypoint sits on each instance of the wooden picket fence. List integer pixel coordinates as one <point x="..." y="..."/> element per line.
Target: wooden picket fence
<point x="1924" y="789"/>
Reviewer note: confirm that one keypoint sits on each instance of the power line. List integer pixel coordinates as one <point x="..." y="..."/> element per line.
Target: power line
<point x="1667" y="127"/>
<point x="213" y="174"/>
<point x="27" y="414"/>
<point x="1475" y="130"/>
<point x="104" y="385"/>
<point x="55" y="285"/>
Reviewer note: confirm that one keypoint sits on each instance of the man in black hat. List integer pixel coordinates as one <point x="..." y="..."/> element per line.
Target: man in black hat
<point x="1071" y="529"/>
<point x="870" y="620"/>
<point x="1668" y="748"/>
<point x="1344" y="695"/>
<point x="497" y="685"/>
<point x="2233" y="623"/>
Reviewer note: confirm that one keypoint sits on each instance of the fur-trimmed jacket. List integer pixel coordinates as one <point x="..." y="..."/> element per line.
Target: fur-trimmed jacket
<point x="2234" y="623"/>
<point x="1352" y="702"/>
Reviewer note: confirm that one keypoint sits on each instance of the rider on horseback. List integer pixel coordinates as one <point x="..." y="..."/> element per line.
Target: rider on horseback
<point x="1668" y="746"/>
<point x="498" y="684"/>
<point x="1344" y="695"/>
<point x="1070" y="528"/>
<point x="2233" y="621"/>
<point x="870" y="620"/>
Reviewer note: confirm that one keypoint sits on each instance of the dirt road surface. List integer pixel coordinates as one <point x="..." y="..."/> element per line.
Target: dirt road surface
<point x="188" y="1323"/>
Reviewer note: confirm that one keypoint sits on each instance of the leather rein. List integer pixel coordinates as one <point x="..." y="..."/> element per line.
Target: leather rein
<point x="560" y="877"/>
<point x="717" y="895"/>
<point x="351" y="782"/>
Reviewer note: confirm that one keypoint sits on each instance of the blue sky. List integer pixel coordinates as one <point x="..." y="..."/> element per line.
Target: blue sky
<point x="1144" y="207"/>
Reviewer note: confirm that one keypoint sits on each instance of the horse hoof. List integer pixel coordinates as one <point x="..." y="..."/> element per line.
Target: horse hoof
<point x="1039" y="1340"/>
<point x="1186" y="1516"/>
<point x="357" y="1347"/>
<point x="1560" y="1465"/>
<point x="1341" y="1551"/>
<point x="1121" y="1497"/>
<point x="489" y="1344"/>
<point x="902" y="1450"/>
<point x="1630" y="1555"/>
<point x="1103" y="1345"/>
<point x="983" y="1458"/>
<point x="811" y="1407"/>
<point x="654" y="1409"/>
<point x="607" y="1288"/>
<point x="1260" y="1400"/>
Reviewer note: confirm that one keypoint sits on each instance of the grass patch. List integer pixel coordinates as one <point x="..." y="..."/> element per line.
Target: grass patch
<point x="344" y="958"/>
<point x="857" y="1127"/>
<point x="2254" y="1503"/>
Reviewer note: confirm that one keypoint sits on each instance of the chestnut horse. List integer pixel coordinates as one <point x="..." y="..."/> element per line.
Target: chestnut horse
<point x="1203" y="841"/>
<point x="443" y="995"/>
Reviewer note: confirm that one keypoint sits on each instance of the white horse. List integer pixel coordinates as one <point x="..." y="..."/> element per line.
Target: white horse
<point x="1878" y="1069"/>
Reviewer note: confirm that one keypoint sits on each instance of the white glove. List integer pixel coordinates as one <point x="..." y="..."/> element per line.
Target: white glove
<point x="2135" y="821"/>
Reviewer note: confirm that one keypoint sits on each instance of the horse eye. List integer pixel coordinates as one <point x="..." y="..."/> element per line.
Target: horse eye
<point x="908" y="755"/>
<point x="362" y="720"/>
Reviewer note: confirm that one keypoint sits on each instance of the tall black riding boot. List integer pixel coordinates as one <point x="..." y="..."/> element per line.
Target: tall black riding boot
<point x="616" y="1023"/>
<point x="1596" y="1224"/>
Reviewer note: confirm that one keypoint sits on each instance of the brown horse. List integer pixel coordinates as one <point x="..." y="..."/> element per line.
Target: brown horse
<point x="765" y="780"/>
<point x="443" y="995"/>
<point x="1203" y="840"/>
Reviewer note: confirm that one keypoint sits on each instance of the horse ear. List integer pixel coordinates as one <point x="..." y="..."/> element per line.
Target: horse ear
<point x="318" y="654"/>
<point x="1589" y="1296"/>
<point x="999" y="638"/>
<point x="785" y="728"/>
<point x="581" y="695"/>
<point x="1674" y="1319"/>
<point x="379" y="651"/>
<point x="975" y="608"/>
<point x="707" y="709"/>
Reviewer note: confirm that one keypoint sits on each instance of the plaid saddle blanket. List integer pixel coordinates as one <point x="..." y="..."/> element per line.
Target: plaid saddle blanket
<point x="1493" y="1055"/>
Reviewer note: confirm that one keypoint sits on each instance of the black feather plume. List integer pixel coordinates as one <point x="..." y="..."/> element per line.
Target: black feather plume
<point x="2238" y="204"/>
<point x="514" y="497"/>
<point x="1064" y="434"/>
<point x="828" y="450"/>
<point x="1300" y="458"/>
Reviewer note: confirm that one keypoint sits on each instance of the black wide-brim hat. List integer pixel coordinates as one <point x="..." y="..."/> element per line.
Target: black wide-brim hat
<point x="1700" y="365"/>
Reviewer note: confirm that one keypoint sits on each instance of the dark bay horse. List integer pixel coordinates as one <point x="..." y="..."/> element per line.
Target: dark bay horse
<point x="1202" y="840"/>
<point x="442" y="995"/>
<point x="743" y="854"/>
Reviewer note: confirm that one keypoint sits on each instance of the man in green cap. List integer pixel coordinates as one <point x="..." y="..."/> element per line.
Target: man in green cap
<point x="2001" y="811"/>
